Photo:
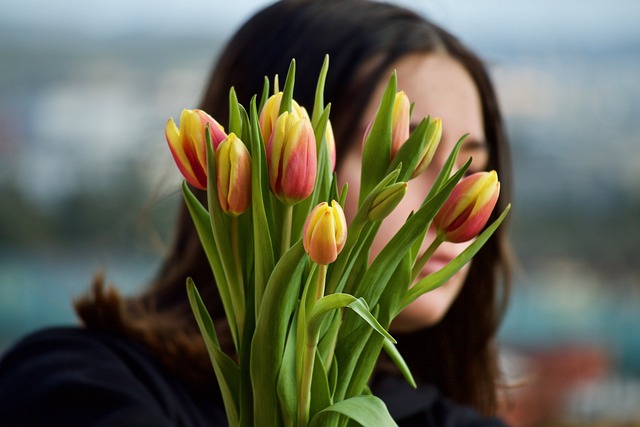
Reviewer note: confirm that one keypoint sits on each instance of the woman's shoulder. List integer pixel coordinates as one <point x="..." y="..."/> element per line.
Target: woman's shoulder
<point x="74" y="376"/>
<point x="425" y="406"/>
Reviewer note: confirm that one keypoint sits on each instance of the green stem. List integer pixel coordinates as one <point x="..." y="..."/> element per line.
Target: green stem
<point x="237" y="288"/>
<point x="322" y="276"/>
<point x="286" y="229"/>
<point x="304" y="402"/>
<point x="420" y="262"/>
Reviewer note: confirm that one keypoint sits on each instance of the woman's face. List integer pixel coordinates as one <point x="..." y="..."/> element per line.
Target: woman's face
<point x="439" y="86"/>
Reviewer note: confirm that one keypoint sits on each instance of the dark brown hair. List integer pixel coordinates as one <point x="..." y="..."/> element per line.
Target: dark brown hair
<point x="363" y="39"/>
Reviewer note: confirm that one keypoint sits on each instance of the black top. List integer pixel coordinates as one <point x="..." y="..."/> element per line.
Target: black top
<point x="77" y="377"/>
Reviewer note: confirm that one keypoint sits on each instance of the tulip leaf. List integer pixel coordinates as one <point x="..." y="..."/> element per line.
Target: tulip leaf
<point x="227" y="372"/>
<point x="287" y="391"/>
<point x="320" y="390"/>
<point x="409" y="153"/>
<point x="366" y="410"/>
<point x="377" y="147"/>
<point x="334" y="301"/>
<point x="318" y="102"/>
<point x="447" y="167"/>
<point x="202" y="223"/>
<point x="265" y="93"/>
<point x="398" y="360"/>
<point x="350" y="345"/>
<point x="235" y="117"/>
<point x="263" y="246"/>
<point x="396" y="289"/>
<point x="278" y="305"/>
<point x="329" y="339"/>
<point x="440" y="277"/>
<point x="287" y="94"/>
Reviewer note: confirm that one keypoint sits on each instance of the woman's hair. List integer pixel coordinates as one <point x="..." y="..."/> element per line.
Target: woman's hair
<point x="363" y="40"/>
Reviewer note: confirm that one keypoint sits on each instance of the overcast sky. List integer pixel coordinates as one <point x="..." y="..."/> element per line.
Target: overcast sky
<point x="569" y="22"/>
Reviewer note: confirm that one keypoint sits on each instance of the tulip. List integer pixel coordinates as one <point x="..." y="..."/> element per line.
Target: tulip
<point x="325" y="233"/>
<point x="188" y="144"/>
<point x="271" y="111"/>
<point x="468" y="208"/>
<point x="400" y="123"/>
<point x="331" y="146"/>
<point x="386" y="201"/>
<point x="233" y="175"/>
<point x="291" y="158"/>
<point x="434" y="134"/>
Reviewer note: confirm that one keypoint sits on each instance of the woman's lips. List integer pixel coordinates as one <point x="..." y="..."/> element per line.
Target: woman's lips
<point x="435" y="263"/>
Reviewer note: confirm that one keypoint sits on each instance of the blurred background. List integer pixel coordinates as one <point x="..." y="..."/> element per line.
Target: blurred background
<point x="87" y="183"/>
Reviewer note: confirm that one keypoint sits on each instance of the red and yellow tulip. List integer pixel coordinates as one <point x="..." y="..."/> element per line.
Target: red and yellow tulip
<point x="233" y="175"/>
<point x="291" y="158"/>
<point x="468" y="208"/>
<point x="187" y="144"/>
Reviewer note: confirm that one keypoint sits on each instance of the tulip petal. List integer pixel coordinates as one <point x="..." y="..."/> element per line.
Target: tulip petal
<point x="181" y="157"/>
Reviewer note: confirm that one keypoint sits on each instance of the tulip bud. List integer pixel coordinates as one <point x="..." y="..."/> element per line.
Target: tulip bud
<point x="468" y="208"/>
<point x="386" y="201"/>
<point x="233" y="175"/>
<point x="325" y="233"/>
<point x="331" y="146"/>
<point x="400" y="123"/>
<point x="434" y="134"/>
<point x="271" y="111"/>
<point x="291" y="158"/>
<point x="188" y="144"/>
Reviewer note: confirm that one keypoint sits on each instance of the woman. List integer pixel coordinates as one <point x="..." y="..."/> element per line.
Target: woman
<point x="449" y="347"/>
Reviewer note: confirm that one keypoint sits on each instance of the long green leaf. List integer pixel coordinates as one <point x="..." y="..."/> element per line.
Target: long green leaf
<point x="320" y="389"/>
<point x="335" y="301"/>
<point x="287" y="93"/>
<point x="287" y="391"/>
<point x="368" y="411"/>
<point x="226" y="370"/>
<point x="278" y="304"/>
<point x="318" y="101"/>
<point x="398" y="360"/>
<point x="377" y="147"/>
<point x="235" y="116"/>
<point x="202" y="223"/>
<point x="263" y="245"/>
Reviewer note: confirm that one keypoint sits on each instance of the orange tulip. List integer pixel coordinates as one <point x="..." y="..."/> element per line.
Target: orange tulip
<point x="325" y="233"/>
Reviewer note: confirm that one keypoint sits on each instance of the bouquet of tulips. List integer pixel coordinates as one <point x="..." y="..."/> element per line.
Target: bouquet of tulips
<point x="307" y="309"/>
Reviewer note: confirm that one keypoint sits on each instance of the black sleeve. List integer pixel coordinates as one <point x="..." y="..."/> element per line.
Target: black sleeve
<point x="426" y="407"/>
<point x="72" y="378"/>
